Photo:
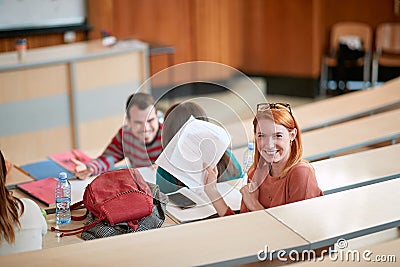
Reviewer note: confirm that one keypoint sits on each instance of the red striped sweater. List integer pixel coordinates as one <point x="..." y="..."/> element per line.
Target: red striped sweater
<point x="125" y="145"/>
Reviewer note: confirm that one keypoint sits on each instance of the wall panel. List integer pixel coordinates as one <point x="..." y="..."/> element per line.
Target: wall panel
<point x="267" y="37"/>
<point x="58" y="91"/>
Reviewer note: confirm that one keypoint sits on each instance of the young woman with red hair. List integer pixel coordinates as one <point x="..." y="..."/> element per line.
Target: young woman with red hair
<point x="278" y="175"/>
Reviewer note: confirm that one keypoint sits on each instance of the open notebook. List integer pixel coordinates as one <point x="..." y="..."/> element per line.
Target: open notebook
<point x="43" y="190"/>
<point x="204" y="208"/>
<point x="64" y="158"/>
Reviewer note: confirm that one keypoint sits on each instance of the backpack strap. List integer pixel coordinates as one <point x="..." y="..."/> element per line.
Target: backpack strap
<point x="80" y="218"/>
<point x="69" y="232"/>
<point x="76" y="206"/>
<point x="133" y="224"/>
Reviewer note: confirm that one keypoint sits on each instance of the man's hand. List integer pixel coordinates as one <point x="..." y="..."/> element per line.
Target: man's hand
<point x="81" y="171"/>
<point x="210" y="182"/>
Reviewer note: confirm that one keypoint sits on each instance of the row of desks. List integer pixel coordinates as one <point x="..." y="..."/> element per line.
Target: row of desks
<point x="333" y="175"/>
<point x="348" y="106"/>
<point x="328" y="141"/>
<point x="238" y="239"/>
<point x="52" y="239"/>
<point x="329" y="112"/>
<point x="340" y="138"/>
<point x="357" y="169"/>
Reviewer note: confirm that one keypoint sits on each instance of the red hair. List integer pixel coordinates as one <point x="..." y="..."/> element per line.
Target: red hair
<point x="284" y="118"/>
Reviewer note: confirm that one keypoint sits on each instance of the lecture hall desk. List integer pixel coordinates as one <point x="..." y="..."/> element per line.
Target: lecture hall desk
<point x="228" y="240"/>
<point x="386" y="249"/>
<point x="339" y="138"/>
<point x="52" y="239"/>
<point x="357" y="169"/>
<point x="348" y="106"/>
<point x="347" y="214"/>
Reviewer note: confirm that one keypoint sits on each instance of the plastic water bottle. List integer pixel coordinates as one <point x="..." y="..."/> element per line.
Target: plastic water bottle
<point x="248" y="159"/>
<point x="63" y="199"/>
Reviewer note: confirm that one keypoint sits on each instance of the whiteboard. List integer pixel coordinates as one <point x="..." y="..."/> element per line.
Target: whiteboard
<point x="17" y="14"/>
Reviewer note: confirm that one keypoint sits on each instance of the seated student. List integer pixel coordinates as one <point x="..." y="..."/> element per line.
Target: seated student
<point x="22" y="224"/>
<point x="278" y="175"/>
<point x="174" y="118"/>
<point x="139" y="140"/>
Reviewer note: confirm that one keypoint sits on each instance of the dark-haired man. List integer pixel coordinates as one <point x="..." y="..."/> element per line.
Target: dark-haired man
<point x="139" y="140"/>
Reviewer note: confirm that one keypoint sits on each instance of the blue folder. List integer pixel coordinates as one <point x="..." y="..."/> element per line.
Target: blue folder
<point x="45" y="168"/>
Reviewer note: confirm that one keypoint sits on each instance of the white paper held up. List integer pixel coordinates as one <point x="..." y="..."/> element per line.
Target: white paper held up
<point x="197" y="142"/>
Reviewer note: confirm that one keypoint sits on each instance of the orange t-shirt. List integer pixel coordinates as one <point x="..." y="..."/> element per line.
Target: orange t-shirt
<point x="299" y="184"/>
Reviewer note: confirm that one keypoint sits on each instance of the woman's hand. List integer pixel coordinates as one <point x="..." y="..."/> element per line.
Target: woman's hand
<point x="210" y="182"/>
<point x="154" y="166"/>
<point x="210" y="188"/>
<point x="250" y="198"/>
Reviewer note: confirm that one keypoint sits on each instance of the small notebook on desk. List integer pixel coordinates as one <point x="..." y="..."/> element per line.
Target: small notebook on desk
<point x="42" y="190"/>
<point x="64" y="158"/>
<point x="204" y="208"/>
<point x="43" y="169"/>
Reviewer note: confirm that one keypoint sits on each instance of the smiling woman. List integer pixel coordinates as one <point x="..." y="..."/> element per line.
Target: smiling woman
<point x="277" y="132"/>
<point x="278" y="175"/>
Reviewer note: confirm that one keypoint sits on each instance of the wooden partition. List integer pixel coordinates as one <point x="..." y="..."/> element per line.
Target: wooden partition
<point x="267" y="37"/>
<point x="66" y="96"/>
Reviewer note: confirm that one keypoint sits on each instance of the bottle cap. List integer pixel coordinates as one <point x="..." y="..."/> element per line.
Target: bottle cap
<point x="62" y="176"/>
<point x="250" y="145"/>
<point x="20" y="41"/>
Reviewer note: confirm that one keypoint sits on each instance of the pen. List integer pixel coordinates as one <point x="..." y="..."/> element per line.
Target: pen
<point x="22" y="170"/>
<point x="79" y="165"/>
<point x="76" y="155"/>
<point x="11" y="187"/>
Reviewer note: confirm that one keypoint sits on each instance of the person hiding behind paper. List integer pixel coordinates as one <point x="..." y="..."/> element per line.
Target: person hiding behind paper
<point x="181" y="164"/>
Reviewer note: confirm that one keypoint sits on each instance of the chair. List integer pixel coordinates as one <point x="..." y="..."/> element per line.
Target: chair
<point x="387" y="50"/>
<point x="340" y="29"/>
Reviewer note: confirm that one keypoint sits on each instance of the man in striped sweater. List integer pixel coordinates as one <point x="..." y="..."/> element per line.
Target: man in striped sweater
<point x="139" y="140"/>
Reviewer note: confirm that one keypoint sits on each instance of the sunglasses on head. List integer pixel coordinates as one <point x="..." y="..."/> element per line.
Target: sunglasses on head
<point x="268" y="106"/>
